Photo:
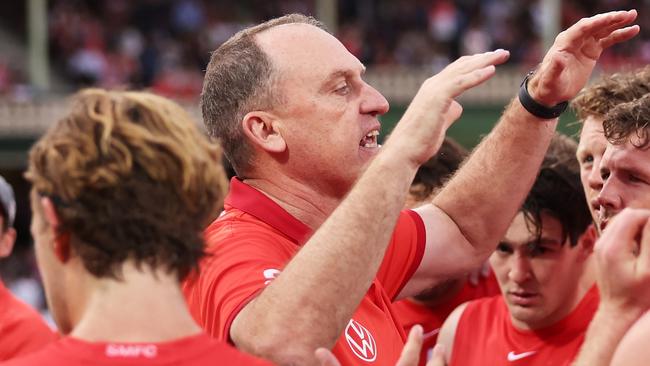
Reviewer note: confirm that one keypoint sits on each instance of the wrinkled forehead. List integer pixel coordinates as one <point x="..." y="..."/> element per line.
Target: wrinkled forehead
<point x="522" y="232"/>
<point x="627" y="155"/>
<point x="304" y="52"/>
<point x="592" y="128"/>
<point x="592" y="136"/>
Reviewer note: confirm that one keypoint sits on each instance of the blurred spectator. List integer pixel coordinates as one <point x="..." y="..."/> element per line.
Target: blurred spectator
<point x="165" y="44"/>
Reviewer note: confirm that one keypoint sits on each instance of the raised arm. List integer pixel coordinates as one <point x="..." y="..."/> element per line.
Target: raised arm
<point x="308" y="305"/>
<point x="623" y="277"/>
<point x="473" y="211"/>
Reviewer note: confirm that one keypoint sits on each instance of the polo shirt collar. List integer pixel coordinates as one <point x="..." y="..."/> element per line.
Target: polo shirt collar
<point x="255" y="203"/>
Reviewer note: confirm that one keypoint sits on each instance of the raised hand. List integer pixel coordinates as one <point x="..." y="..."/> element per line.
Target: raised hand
<point x="623" y="262"/>
<point x="433" y="109"/>
<point x="570" y="61"/>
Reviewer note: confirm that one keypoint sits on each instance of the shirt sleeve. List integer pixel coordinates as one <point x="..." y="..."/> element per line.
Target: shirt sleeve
<point x="240" y="265"/>
<point x="404" y="253"/>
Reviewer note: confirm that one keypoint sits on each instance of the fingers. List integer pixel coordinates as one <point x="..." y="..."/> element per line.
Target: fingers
<point x="437" y="356"/>
<point x="325" y="357"/>
<point x="591" y="27"/>
<point x="472" y="79"/>
<point x="605" y="31"/>
<point x="620" y="35"/>
<point x="411" y="352"/>
<point x="480" y="60"/>
<point x="619" y="238"/>
<point x="644" y="248"/>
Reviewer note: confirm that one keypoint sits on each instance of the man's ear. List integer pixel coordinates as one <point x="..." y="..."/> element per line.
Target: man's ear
<point x="587" y="241"/>
<point x="61" y="242"/>
<point x="7" y="240"/>
<point x="262" y="129"/>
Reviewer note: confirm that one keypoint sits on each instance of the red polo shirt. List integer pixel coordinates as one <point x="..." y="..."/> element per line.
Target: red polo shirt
<point x="22" y="329"/>
<point x="197" y="350"/>
<point x="252" y="241"/>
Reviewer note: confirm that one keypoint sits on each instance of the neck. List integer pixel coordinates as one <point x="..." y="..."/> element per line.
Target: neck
<point x="588" y="278"/>
<point x="144" y="306"/>
<point x="302" y="201"/>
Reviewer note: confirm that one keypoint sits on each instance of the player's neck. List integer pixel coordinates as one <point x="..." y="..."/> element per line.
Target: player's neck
<point x="141" y="307"/>
<point x="588" y="278"/>
<point x="302" y="201"/>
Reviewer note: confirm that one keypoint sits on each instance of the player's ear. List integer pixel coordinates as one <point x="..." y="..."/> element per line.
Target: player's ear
<point x="61" y="241"/>
<point x="587" y="241"/>
<point x="7" y="240"/>
<point x="262" y="129"/>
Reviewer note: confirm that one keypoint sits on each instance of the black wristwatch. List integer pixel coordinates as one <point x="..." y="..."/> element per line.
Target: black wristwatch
<point x="534" y="107"/>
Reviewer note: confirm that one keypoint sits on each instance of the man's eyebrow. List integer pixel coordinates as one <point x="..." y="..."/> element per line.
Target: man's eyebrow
<point x="627" y="165"/>
<point x="543" y="241"/>
<point x="342" y="73"/>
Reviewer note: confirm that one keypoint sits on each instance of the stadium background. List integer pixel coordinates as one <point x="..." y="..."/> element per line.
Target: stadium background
<point x="50" y="48"/>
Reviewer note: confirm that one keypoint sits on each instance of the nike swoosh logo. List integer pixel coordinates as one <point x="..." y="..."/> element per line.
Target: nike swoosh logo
<point x="518" y="356"/>
<point x="431" y="333"/>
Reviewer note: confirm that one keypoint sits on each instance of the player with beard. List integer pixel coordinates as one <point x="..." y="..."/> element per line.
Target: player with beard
<point x="430" y="308"/>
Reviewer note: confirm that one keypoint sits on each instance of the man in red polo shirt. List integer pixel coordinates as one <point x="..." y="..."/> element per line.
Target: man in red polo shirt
<point x="543" y="269"/>
<point x="305" y="253"/>
<point x="23" y="329"/>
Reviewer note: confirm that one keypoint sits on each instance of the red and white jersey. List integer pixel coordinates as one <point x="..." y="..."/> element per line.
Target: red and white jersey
<point x="198" y="350"/>
<point x="252" y="241"/>
<point x="485" y="335"/>
<point x="410" y="313"/>
<point x="22" y="330"/>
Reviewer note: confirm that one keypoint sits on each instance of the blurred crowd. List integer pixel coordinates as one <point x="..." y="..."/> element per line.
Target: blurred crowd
<point x="165" y="44"/>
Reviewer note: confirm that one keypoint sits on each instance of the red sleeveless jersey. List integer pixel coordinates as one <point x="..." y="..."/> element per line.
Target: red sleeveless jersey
<point x="486" y="336"/>
<point x="431" y="319"/>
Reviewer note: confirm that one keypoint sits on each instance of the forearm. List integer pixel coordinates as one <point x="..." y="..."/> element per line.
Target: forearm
<point x="603" y="336"/>
<point x="324" y="283"/>
<point x="488" y="190"/>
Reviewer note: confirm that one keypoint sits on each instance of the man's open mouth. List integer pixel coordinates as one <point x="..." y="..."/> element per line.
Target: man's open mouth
<point x="370" y="139"/>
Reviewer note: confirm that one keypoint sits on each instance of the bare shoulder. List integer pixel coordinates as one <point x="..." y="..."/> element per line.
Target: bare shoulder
<point x="633" y="349"/>
<point x="448" y="330"/>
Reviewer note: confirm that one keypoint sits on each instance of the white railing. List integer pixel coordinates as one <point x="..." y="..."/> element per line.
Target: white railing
<point x="398" y="85"/>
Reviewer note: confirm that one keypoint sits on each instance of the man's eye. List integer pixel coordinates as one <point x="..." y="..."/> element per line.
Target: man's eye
<point x="604" y="175"/>
<point x="343" y="89"/>
<point x="538" y="250"/>
<point x="588" y="159"/>
<point x="504" y="248"/>
<point x="635" y="179"/>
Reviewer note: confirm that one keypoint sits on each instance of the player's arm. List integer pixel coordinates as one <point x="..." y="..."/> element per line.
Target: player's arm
<point x="308" y="305"/>
<point x="633" y="349"/>
<point x="447" y="333"/>
<point x="623" y="277"/>
<point x="473" y="211"/>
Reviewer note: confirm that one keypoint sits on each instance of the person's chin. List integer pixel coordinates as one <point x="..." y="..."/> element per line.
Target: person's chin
<point x="367" y="153"/>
